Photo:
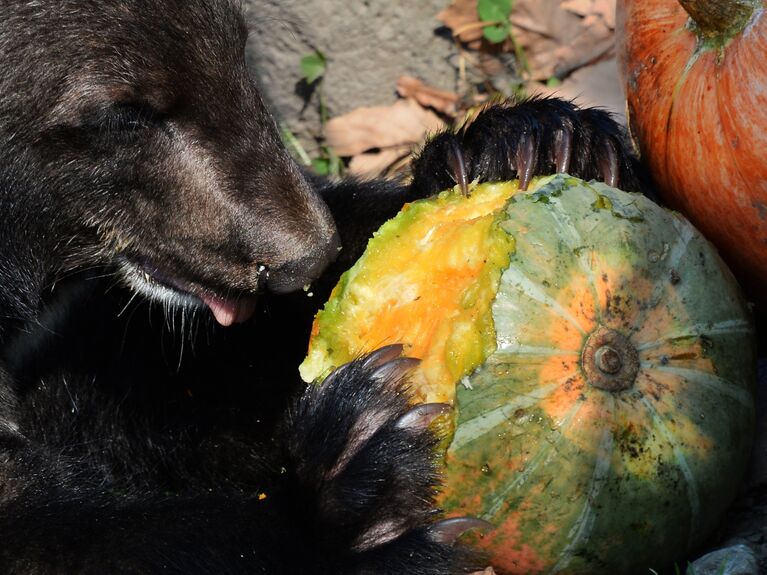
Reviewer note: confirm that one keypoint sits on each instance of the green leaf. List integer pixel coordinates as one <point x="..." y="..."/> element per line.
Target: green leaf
<point x="494" y="11"/>
<point x="321" y="166"/>
<point x="495" y="34"/>
<point x="553" y="82"/>
<point x="313" y="66"/>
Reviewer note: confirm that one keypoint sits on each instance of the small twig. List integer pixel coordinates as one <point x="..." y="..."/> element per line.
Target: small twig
<point x="474" y="25"/>
<point x="293" y="142"/>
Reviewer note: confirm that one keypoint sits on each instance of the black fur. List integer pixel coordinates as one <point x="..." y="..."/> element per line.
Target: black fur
<point x="136" y="157"/>
<point x="314" y="502"/>
<point x="495" y="144"/>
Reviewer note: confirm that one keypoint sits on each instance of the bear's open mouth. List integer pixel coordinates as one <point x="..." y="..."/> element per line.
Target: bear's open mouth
<point x="149" y="280"/>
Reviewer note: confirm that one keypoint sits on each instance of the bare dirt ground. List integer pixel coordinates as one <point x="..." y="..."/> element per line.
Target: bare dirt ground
<point x="376" y="52"/>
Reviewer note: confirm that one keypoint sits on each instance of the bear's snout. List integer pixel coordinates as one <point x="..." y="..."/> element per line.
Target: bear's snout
<point x="300" y="272"/>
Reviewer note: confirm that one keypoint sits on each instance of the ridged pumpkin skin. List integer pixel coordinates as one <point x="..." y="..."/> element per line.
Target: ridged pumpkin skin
<point x="697" y="107"/>
<point x="606" y="428"/>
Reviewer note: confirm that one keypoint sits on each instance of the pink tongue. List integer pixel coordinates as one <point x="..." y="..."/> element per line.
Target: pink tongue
<point x="228" y="312"/>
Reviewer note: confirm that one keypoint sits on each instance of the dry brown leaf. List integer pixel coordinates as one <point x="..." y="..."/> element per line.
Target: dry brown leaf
<point x="557" y="41"/>
<point x="607" y="10"/>
<point x="597" y="85"/>
<point x="441" y="100"/>
<point x="462" y="18"/>
<point x="603" y="8"/>
<point x="580" y="7"/>
<point x="368" y="128"/>
<point x="487" y="571"/>
<point x="557" y="37"/>
<point x="374" y="164"/>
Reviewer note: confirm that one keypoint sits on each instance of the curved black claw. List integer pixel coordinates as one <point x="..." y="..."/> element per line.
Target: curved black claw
<point x="449" y="530"/>
<point x="457" y="165"/>
<point x="422" y="416"/>
<point x="534" y="137"/>
<point x="526" y="161"/>
<point x="382" y="355"/>
<point x="563" y="149"/>
<point x="608" y="165"/>
<point x="396" y="370"/>
<point x="432" y="171"/>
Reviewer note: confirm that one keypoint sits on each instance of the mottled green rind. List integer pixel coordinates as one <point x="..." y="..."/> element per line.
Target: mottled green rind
<point x="577" y="494"/>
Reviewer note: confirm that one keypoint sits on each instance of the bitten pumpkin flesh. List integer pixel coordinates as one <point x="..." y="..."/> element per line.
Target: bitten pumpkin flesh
<point x="606" y="427"/>
<point x="426" y="281"/>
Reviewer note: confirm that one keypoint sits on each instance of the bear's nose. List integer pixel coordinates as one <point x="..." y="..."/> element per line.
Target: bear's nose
<point x="295" y="274"/>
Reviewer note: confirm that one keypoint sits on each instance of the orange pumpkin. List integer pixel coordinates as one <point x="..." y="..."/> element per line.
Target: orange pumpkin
<point x="695" y="73"/>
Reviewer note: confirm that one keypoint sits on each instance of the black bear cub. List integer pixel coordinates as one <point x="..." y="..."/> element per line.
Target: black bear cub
<point x="155" y="238"/>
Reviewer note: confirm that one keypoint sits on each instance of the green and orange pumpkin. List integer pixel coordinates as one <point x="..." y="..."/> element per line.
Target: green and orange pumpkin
<point x="598" y="354"/>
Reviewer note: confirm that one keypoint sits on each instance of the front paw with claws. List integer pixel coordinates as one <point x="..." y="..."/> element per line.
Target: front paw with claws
<point x="368" y="458"/>
<point x="519" y="141"/>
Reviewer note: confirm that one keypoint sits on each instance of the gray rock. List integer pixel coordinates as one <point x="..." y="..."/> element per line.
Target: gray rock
<point x="735" y="560"/>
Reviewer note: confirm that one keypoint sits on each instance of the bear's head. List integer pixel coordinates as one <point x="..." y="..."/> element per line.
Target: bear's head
<point x="136" y="126"/>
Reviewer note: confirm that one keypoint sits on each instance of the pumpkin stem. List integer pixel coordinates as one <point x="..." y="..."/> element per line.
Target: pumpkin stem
<point x="719" y="20"/>
<point x="609" y="360"/>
